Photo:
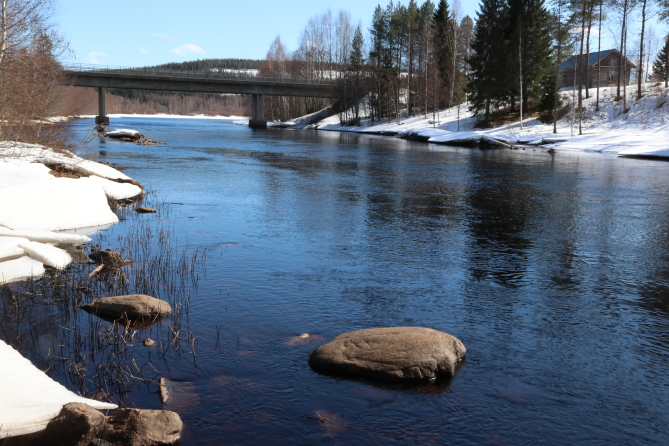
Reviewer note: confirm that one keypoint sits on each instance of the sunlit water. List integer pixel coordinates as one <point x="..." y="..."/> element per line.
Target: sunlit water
<point x="552" y="270"/>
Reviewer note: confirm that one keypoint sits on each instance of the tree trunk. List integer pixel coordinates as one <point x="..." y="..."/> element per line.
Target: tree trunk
<point x="622" y="40"/>
<point x="580" y="71"/>
<point x="599" y="55"/>
<point x="3" y="28"/>
<point x="520" y="70"/>
<point x="587" y="55"/>
<point x="557" y="64"/>
<point x="640" y="69"/>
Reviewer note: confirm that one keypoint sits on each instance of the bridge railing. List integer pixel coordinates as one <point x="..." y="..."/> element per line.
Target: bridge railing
<point x="152" y="71"/>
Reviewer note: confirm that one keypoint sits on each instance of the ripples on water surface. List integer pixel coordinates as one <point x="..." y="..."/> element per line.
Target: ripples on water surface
<point x="553" y="272"/>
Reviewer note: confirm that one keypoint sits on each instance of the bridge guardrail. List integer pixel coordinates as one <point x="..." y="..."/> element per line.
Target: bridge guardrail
<point x="150" y="71"/>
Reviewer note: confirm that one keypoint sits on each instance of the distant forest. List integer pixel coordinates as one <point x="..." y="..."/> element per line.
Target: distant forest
<point x="212" y="64"/>
<point x="84" y="101"/>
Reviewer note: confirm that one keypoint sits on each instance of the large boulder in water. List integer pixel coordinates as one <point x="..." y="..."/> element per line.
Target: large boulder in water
<point x="135" y="427"/>
<point x="393" y="354"/>
<point x="132" y="307"/>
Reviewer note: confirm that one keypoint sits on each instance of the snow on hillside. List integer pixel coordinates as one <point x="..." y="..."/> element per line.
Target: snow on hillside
<point x="642" y="131"/>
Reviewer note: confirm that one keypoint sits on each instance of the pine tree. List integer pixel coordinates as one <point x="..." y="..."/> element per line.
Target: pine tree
<point x="378" y="57"/>
<point x="486" y="86"/>
<point x="356" y="64"/>
<point x="661" y="62"/>
<point x="464" y="49"/>
<point x="550" y="98"/>
<point x="443" y="36"/>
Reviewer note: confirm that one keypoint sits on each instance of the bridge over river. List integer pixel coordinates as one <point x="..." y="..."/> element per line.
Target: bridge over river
<point x="103" y="77"/>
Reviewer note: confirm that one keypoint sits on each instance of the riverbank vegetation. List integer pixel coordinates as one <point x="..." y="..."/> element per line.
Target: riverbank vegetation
<point x="30" y="74"/>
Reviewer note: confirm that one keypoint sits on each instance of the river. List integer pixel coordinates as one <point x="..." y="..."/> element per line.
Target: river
<point x="553" y="270"/>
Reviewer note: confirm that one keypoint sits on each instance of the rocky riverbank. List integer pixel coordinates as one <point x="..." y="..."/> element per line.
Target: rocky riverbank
<point x="49" y="203"/>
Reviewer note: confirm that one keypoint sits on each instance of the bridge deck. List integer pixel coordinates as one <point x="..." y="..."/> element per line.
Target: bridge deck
<point x="196" y="82"/>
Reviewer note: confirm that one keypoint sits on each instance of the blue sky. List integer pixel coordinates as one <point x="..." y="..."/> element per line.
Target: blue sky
<point x="150" y="32"/>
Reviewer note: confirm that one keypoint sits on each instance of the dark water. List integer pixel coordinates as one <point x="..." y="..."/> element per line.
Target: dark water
<point x="552" y="270"/>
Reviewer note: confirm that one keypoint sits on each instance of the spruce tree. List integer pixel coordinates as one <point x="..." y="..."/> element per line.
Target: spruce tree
<point x="660" y="64"/>
<point x="378" y="58"/>
<point x="442" y="41"/>
<point x="486" y="86"/>
<point x="356" y="64"/>
<point x="530" y="49"/>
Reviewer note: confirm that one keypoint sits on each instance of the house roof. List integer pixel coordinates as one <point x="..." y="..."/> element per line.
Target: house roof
<point x="594" y="58"/>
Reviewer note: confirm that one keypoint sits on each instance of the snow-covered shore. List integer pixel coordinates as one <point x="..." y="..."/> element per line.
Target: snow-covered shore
<point x="44" y="214"/>
<point x="642" y="131"/>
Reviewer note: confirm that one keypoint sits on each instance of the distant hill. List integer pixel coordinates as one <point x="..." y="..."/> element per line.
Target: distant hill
<point x="212" y="65"/>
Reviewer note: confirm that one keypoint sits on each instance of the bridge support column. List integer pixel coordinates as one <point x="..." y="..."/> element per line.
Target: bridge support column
<point x="257" y="120"/>
<point x="102" y="118"/>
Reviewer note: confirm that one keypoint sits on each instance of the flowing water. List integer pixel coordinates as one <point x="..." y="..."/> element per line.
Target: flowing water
<point x="552" y="270"/>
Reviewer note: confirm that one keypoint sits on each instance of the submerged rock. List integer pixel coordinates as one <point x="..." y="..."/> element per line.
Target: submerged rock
<point x="131" y="307"/>
<point x="393" y="354"/>
<point x="177" y="393"/>
<point x="305" y="338"/>
<point x="135" y="427"/>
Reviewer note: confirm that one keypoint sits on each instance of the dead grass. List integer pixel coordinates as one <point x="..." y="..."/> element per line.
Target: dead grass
<point x="60" y="171"/>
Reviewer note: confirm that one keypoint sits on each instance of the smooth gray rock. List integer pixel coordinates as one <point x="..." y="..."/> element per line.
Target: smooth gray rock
<point x="392" y="354"/>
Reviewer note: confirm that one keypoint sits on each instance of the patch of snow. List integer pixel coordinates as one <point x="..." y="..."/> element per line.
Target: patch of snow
<point x="9" y="249"/>
<point x="118" y="133"/>
<point x="13" y="271"/>
<point x="47" y="254"/>
<point x="118" y="191"/>
<point x="65" y="204"/>
<point x="30" y="399"/>
<point x="43" y="236"/>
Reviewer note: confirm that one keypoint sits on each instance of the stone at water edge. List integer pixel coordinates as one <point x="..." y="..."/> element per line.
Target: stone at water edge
<point x="135" y="427"/>
<point x="145" y="211"/>
<point x="393" y="354"/>
<point x="76" y="425"/>
<point x="131" y="307"/>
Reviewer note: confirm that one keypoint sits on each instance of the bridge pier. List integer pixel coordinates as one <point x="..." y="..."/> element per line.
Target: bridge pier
<point x="257" y="120"/>
<point x="102" y="118"/>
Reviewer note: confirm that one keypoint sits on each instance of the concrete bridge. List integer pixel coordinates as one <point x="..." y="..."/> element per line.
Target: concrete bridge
<point x="103" y="77"/>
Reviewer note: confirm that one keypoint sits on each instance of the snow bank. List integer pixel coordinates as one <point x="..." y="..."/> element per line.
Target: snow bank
<point x="9" y="249"/>
<point x="30" y="399"/>
<point x="118" y="191"/>
<point x="32" y="153"/>
<point x="64" y="204"/>
<point x="43" y="236"/>
<point x="14" y="173"/>
<point x="47" y="254"/>
<point x="15" y="270"/>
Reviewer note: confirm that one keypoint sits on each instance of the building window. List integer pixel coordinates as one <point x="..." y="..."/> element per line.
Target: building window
<point x="612" y="76"/>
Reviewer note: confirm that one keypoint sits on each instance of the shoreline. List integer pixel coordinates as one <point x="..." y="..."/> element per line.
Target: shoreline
<point x="641" y="131"/>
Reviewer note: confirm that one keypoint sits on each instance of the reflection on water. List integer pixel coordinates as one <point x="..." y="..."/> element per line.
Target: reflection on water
<point x="552" y="270"/>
